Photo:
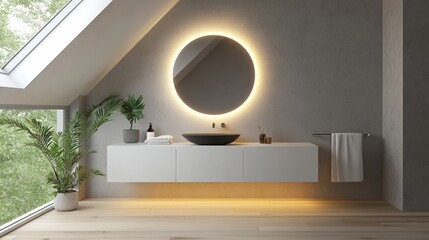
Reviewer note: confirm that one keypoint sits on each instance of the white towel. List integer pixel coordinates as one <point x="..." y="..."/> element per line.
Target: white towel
<point x="346" y="159"/>
<point x="159" y="143"/>
<point x="163" y="139"/>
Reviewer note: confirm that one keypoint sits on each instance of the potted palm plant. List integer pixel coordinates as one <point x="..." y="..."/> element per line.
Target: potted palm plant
<point x="64" y="150"/>
<point x="132" y="109"/>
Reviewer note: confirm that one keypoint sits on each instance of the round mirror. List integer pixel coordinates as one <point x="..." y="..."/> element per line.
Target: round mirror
<point x="214" y="75"/>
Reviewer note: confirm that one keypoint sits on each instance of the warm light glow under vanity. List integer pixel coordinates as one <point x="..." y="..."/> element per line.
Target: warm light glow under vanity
<point x="238" y="162"/>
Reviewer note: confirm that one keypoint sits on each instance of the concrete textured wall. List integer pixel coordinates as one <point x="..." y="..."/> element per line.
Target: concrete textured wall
<point x="416" y="105"/>
<point x="78" y="105"/>
<point x="319" y="69"/>
<point x="393" y="101"/>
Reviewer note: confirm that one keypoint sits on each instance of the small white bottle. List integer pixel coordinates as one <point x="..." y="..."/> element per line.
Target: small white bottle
<point x="150" y="132"/>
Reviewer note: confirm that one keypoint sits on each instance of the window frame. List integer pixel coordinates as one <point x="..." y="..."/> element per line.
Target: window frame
<point x="22" y="53"/>
<point x="25" y="218"/>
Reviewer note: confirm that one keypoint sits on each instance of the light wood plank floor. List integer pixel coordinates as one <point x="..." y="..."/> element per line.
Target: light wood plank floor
<point x="265" y="219"/>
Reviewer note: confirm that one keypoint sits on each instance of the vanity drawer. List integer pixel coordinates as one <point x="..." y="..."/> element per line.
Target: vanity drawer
<point x="209" y="164"/>
<point x="134" y="163"/>
<point x="280" y="164"/>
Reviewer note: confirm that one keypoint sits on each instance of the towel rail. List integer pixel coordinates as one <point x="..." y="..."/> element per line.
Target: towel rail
<point x="329" y="134"/>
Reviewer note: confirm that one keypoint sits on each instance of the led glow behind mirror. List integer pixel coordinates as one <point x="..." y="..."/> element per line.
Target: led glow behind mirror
<point x="214" y="75"/>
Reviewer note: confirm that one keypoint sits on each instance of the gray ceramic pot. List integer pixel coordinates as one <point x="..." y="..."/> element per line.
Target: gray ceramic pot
<point x="131" y="135"/>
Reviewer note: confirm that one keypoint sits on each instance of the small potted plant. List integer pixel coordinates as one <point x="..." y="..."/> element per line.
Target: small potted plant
<point x="65" y="150"/>
<point x="132" y="109"/>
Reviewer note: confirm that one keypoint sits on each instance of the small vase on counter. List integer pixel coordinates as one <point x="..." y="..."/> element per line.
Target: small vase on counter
<point x="262" y="138"/>
<point x="263" y="134"/>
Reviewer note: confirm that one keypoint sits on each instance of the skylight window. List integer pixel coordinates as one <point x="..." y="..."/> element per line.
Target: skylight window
<point x="21" y="20"/>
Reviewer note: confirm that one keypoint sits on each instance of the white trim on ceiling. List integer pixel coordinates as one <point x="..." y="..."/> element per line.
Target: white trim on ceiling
<point x="24" y="69"/>
<point x="87" y="59"/>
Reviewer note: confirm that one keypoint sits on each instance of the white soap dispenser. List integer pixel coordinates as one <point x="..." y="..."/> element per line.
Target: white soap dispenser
<point x="150" y="132"/>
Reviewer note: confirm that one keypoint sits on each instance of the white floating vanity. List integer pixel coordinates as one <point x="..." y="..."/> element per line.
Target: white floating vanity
<point x="238" y="162"/>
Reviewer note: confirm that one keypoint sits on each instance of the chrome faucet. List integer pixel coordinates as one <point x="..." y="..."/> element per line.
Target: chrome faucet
<point x="223" y="125"/>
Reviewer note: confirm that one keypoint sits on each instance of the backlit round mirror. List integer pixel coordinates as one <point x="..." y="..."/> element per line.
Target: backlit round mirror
<point x="214" y="75"/>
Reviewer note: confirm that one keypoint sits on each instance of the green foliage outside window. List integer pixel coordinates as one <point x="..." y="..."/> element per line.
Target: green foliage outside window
<point x="23" y="169"/>
<point x="20" y="20"/>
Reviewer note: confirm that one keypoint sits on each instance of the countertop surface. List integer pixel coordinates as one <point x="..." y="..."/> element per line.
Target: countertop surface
<point x="234" y="144"/>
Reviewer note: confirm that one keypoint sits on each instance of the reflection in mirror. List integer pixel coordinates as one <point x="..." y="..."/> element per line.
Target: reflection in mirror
<point x="214" y="75"/>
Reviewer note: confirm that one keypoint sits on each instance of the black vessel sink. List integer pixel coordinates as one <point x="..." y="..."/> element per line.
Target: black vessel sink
<point x="211" y="138"/>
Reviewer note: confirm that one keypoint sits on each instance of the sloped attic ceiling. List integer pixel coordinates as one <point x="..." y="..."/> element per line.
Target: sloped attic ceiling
<point x="91" y="55"/>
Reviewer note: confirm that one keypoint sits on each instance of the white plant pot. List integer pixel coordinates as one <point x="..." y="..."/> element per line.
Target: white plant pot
<point x="66" y="201"/>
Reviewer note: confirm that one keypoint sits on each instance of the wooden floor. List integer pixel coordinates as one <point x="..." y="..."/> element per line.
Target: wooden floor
<point x="265" y="219"/>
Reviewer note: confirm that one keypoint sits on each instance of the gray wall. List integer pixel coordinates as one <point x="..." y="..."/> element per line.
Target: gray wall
<point x="406" y="103"/>
<point x="78" y="105"/>
<point x="416" y="105"/>
<point x="319" y="69"/>
<point x="393" y="101"/>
